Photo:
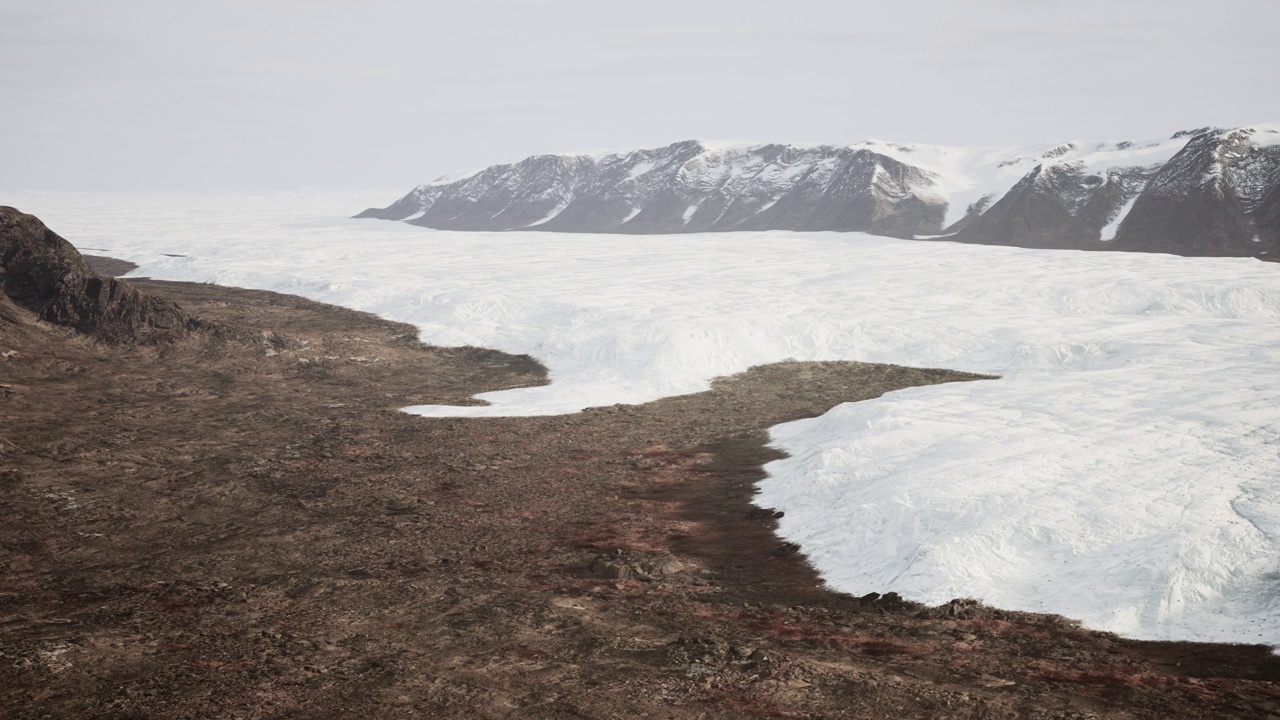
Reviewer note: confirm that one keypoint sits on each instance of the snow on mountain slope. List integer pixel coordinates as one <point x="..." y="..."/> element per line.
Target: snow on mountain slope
<point x="754" y="177"/>
<point x="1052" y="196"/>
<point x="966" y="175"/>
<point x="1069" y="195"/>
<point x="1122" y="471"/>
<point x="1206" y="197"/>
<point x="684" y="187"/>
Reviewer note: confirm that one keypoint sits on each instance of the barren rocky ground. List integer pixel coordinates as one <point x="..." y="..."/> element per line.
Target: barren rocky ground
<point x="244" y="525"/>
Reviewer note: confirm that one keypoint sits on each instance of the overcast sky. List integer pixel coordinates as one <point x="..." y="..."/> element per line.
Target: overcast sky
<point x="279" y="94"/>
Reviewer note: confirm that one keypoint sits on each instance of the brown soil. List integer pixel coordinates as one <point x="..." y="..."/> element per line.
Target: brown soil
<point x="221" y="528"/>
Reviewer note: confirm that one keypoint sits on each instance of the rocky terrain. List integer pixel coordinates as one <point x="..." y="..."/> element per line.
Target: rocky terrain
<point x="42" y="273"/>
<point x="1202" y="192"/>
<point x="241" y="523"/>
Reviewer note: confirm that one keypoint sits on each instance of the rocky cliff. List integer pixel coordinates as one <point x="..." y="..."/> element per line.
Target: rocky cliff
<point x="45" y="275"/>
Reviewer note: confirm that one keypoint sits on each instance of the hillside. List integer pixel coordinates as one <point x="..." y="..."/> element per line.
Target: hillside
<point x="46" y="276"/>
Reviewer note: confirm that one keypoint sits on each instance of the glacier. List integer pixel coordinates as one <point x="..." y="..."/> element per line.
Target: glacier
<point x="1121" y="471"/>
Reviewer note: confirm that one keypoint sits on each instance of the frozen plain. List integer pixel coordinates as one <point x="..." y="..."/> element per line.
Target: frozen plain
<point x="1123" y="470"/>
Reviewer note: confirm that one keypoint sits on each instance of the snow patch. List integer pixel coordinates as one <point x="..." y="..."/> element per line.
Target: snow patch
<point x="551" y="215"/>
<point x="1113" y="226"/>
<point x="640" y="169"/>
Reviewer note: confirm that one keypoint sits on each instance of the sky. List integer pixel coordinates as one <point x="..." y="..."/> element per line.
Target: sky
<point x="147" y="95"/>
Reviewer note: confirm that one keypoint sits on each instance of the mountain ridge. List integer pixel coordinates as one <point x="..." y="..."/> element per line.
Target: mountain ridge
<point x="1209" y="191"/>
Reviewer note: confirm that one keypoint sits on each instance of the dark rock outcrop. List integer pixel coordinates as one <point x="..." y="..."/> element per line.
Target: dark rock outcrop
<point x="46" y="275"/>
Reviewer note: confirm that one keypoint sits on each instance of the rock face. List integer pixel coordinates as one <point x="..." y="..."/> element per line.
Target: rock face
<point x="1201" y="192"/>
<point x="45" y="274"/>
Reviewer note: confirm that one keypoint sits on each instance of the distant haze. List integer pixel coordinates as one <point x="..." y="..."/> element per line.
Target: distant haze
<point x="232" y="95"/>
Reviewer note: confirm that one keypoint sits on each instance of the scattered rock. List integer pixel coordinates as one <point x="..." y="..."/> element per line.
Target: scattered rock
<point x="610" y="569"/>
<point x="992" y="681"/>
<point x="622" y="566"/>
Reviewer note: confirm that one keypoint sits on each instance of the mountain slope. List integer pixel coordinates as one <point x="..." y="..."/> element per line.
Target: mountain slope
<point x="1068" y="196"/>
<point x="1203" y="192"/>
<point x="1205" y="199"/>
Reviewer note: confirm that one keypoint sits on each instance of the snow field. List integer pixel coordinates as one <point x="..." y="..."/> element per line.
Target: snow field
<point x="1122" y="471"/>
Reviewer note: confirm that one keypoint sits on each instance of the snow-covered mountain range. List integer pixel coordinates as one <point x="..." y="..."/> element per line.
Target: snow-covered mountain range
<point x="1210" y="191"/>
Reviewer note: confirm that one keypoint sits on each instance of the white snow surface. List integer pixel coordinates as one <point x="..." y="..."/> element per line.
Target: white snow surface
<point x="1122" y="471"/>
<point x="1113" y="227"/>
<point x="639" y="169"/>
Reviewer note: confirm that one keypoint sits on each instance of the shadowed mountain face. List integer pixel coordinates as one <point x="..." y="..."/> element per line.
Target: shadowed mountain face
<point x="1202" y="192"/>
<point x="1055" y="206"/>
<point x="1266" y="218"/>
<point x="1207" y="198"/>
<point x="44" y="274"/>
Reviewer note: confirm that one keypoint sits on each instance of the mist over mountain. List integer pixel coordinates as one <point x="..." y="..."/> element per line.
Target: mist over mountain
<point x="1210" y="191"/>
